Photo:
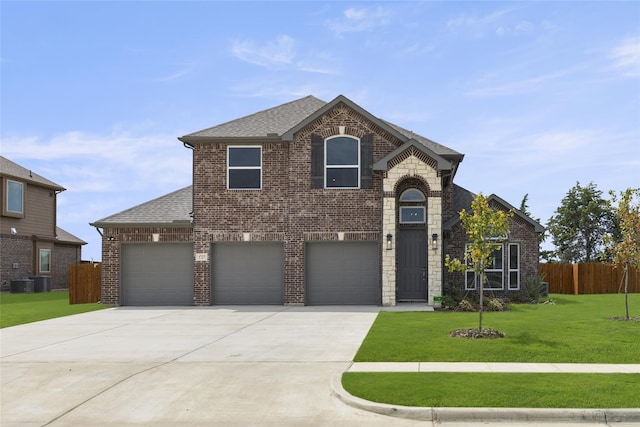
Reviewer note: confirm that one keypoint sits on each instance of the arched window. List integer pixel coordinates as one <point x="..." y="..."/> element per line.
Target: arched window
<point x="342" y="162"/>
<point x="412" y="195"/>
<point x="412" y="209"/>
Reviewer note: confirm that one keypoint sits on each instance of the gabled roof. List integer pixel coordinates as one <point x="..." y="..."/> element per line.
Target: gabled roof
<point x="171" y="209"/>
<point x="288" y="136"/>
<point x="14" y="170"/>
<point x="441" y="162"/>
<point x="282" y="122"/>
<point x="462" y="199"/>
<point x="63" y="236"/>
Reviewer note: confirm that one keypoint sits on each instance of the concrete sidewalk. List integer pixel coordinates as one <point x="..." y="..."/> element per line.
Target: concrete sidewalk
<point x="538" y="368"/>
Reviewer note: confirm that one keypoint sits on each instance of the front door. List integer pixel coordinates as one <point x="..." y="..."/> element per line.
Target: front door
<point x="412" y="265"/>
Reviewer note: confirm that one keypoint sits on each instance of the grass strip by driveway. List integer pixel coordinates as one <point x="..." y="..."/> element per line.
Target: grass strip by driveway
<point x="496" y="390"/>
<point x="16" y="309"/>
<point x="576" y="329"/>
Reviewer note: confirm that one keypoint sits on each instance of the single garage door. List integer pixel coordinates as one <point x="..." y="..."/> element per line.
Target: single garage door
<point x="247" y="273"/>
<point x="157" y="274"/>
<point x="342" y="273"/>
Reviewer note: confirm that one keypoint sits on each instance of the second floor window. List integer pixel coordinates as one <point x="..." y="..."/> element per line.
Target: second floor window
<point x="14" y="202"/>
<point x="244" y="168"/>
<point x="342" y="157"/>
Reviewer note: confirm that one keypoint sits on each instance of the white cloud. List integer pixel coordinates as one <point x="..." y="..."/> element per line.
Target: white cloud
<point x="85" y="162"/>
<point x="522" y="86"/>
<point x="275" y="53"/>
<point x="478" y="24"/>
<point x="626" y="57"/>
<point x="354" y="20"/>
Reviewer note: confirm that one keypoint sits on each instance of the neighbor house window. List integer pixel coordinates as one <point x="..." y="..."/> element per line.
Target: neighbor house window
<point x="342" y="162"/>
<point x="244" y="168"/>
<point x="14" y="203"/>
<point x="493" y="271"/>
<point x="514" y="266"/>
<point x="45" y="260"/>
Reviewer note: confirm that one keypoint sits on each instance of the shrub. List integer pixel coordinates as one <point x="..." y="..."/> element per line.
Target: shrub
<point x="466" y="305"/>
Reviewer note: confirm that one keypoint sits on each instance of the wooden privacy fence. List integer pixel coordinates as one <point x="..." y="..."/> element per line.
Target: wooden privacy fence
<point x="588" y="278"/>
<point x="84" y="283"/>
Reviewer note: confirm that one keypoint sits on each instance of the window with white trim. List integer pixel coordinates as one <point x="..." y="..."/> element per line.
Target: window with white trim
<point x="14" y="198"/>
<point x="244" y="168"/>
<point x="45" y="261"/>
<point x="493" y="271"/>
<point x="514" y="266"/>
<point x="342" y="162"/>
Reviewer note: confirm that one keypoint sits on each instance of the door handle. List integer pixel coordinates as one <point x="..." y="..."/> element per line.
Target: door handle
<point x="424" y="273"/>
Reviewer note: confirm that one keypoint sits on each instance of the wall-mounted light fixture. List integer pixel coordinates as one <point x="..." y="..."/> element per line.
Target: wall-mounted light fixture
<point x="111" y="238"/>
<point x="389" y="240"/>
<point x="155" y="237"/>
<point x="14" y="231"/>
<point x="434" y="241"/>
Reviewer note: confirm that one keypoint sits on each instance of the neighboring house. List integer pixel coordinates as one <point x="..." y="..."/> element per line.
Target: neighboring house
<point x="310" y="203"/>
<point x="30" y="242"/>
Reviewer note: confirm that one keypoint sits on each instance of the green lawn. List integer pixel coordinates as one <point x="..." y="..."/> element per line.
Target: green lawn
<point x="439" y="389"/>
<point x="16" y="309"/>
<point x="576" y="329"/>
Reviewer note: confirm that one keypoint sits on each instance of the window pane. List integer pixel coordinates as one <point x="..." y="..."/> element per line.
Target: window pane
<point x="342" y="151"/>
<point x="495" y="259"/>
<point x="470" y="276"/>
<point x="494" y="280"/>
<point x="244" y="178"/>
<point x="412" y="195"/>
<point x="342" y="177"/>
<point x="412" y="214"/>
<point x="45" y="260"/>
<point x="513" y="280"/>
<point x="513" y="257"/>
<point x="241" y="156"/>
<point x="14" y="196"/>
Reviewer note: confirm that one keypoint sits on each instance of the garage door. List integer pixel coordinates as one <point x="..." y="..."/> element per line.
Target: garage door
<point x="342" y="273"/>
<point x="157" y="274"/>
<point x="247" y="273"/>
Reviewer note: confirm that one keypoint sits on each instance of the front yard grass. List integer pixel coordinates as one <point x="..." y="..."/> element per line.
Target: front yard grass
<point x="497" y="390"/>
<point x="16" y="309"/>
<point x="576" y="329"/>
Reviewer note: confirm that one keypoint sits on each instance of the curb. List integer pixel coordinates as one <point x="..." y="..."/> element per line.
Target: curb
<point x="575" y="415"/>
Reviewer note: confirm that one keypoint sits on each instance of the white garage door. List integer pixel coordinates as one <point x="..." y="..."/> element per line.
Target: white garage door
<point x="247" y="273"/>
<point x="343" y="273"/>
<point x="157" y="274"/>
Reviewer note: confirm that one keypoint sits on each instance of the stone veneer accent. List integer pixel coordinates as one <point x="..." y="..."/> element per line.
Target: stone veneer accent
<point x="410" y="167"/>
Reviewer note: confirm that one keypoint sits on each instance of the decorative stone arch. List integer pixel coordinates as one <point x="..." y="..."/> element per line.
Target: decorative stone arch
<point x="412" y="171"/>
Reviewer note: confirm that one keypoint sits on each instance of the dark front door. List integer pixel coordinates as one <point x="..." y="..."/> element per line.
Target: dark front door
<point x="412" y="265"/>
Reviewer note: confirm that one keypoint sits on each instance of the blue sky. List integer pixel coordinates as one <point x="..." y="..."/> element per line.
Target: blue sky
<point x="537" y="95"/>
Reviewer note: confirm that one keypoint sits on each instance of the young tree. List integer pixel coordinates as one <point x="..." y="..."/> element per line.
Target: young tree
<point x="626" y="249"/>
<point x="580" y="224"/>
<point x="483" y="225"/>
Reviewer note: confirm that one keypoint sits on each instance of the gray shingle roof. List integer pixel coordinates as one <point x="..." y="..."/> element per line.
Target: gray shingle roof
<point x="276" y="120"/>
<point x="171" y="209"/>
<point x="432" y="145"/>
<point x="14" y="170"/>
<point x="64" y="236"/>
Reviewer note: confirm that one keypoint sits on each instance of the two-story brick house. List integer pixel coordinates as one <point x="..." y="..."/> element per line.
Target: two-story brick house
<point x="30" y="242"/>
<point x="305" y="203"/>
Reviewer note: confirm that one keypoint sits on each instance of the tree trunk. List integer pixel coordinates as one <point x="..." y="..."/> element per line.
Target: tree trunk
<point x="481" y="299"/>
<point x="626" y="289"/>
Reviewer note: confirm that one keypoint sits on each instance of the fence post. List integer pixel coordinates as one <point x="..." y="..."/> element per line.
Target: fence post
<point x="576" y="288"/>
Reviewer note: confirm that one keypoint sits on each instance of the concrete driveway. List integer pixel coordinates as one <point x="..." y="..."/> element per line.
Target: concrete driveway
<point x="232" y="366"/>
